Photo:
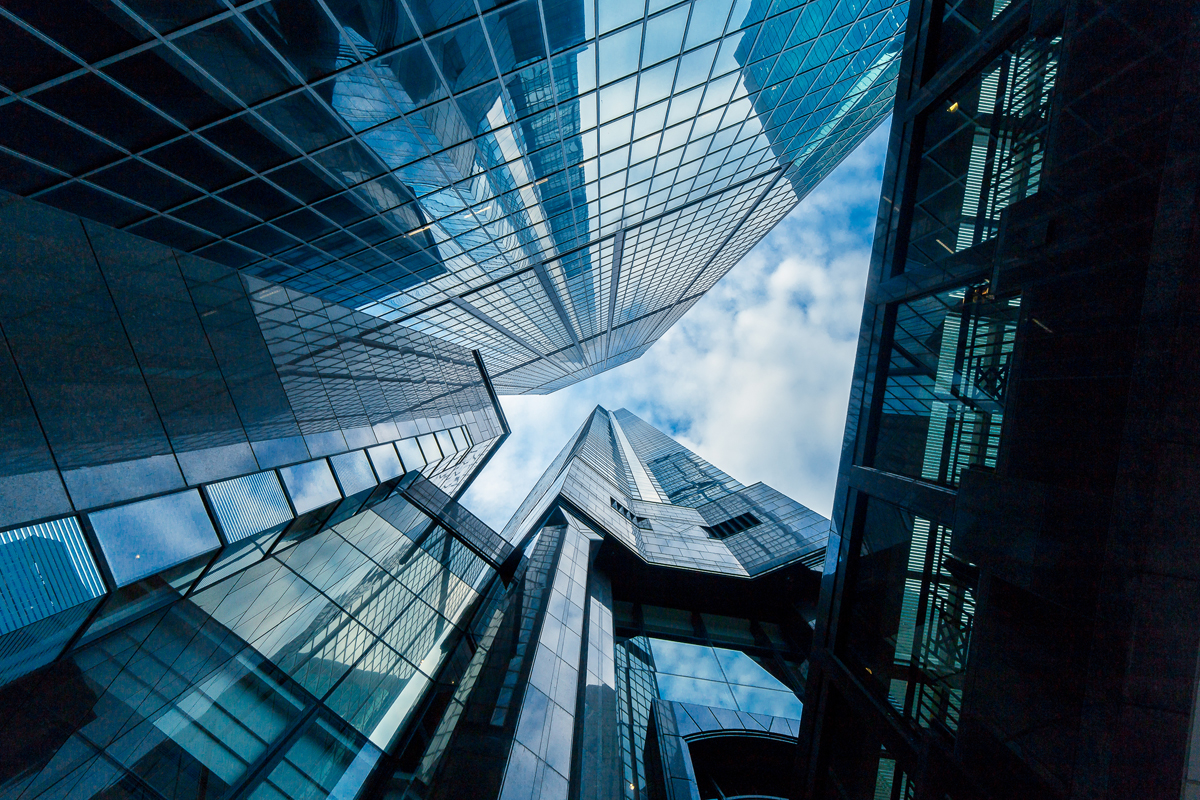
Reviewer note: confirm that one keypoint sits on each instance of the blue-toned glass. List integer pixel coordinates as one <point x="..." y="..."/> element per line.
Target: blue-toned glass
<point x="248" y="505"/>
<point x="385" y="461"/>
<point x="462" y="55"/>
<point x="379" y="694"/>
<point x="681" y="689"/>
<point x="237" y="557"/>
<point x="329" y="759"/>
<point x="141" y="597"/>
<point x="488" y="141"/>
<point x="145" y="713"/>
<point x="310" y="485"/>
<point x="354" y="473"/>
<point x="741" y="668"/>
<point x="45" y="569"/>
<point x="678" y="658"/>
<point x="140" y="539"/>
<point x="410" y="454"/>
<point x="48" y="584"/>
<point x="429" y="447"/>
<point x="765" y="701"/>
<point x="714" y="676"/>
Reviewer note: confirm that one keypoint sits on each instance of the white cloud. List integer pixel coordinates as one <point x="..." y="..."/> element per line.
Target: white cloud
<point x="755" y="377"/>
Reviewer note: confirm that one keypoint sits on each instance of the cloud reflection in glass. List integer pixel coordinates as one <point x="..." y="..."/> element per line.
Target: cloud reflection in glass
<point x="714" y="676"/>
<point x="310" y="485"/>
<point x="143" y="538"/>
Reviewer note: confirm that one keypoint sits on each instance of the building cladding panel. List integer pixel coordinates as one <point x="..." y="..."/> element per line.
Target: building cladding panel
<point x="548" y="181"/>
<point x="171" y="423"/>
<point x="134" y="369"/>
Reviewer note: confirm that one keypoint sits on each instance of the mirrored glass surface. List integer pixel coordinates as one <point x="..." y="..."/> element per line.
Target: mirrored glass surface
<point x="385" y="461"/>
<point x="521" y="180"/>
<point x="714" y="676"/>
<point x="410" y="454"/>
<point x="310" y="485"/>
<point x="946" y="384"/>
<point x="140" y="539"/>
<point x="353" y="471"/>
<point x="249" y="505"/>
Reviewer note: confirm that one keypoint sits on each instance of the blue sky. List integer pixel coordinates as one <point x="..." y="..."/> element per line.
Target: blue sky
<point x="755" y="377"/>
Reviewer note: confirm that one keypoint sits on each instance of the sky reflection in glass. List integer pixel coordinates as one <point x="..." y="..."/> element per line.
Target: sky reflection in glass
<point x="554" y="182"/>
<point x="140" y="539"/>
<point x="310" y="485"/>
<point x="714" y="676"/>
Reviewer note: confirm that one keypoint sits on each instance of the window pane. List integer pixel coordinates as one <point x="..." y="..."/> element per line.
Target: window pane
<point x="945" y="388"/>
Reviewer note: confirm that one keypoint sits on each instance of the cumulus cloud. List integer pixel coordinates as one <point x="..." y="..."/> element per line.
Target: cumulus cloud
<point x="755" y="377"/>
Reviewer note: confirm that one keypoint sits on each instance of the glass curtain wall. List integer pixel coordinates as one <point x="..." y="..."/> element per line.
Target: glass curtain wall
<point x="288" y="679"/>
<point x="553" y="182"/>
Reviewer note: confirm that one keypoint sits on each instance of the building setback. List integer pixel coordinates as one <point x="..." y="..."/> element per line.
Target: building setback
<point x="1014" y="607"/>
<point x="640" y="629"/>
<point x="550" y="182"/>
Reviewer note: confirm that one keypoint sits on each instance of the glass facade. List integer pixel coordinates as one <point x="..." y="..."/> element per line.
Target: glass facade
<point x="946" y="384"/>
<point x="684" y="678"/>
<point x="1006" y="477"/>
<point x="627" y="473"/>
<point x="551" y="182"/>
<point x="341" y="627"/>
<point x="232" y="561"/>
<point x="984" y="151"/>
<point x="174" y="422"/>
<point x="288" y="679"/>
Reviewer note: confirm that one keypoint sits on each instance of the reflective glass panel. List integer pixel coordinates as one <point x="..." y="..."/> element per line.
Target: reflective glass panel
<point x="310" y="485"/>
<point x="385" y="461"/>
<point x="140" y="539"/>
<point x="946" y="383"/>
<point x="906" y="611"/>
<point x="983" y="151"/>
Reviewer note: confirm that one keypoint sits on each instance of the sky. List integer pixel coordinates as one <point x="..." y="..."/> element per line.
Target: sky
<point x="755" y="378"/>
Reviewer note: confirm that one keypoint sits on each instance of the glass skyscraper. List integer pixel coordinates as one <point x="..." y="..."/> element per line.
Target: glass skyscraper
<point x="232" y="559"/>
<point x="168" y="421"/>
<point x="1012" y="612"/>
<point x="550" y="182"/>
<point x="266" y="267"/>
<point x="340" y="629"/>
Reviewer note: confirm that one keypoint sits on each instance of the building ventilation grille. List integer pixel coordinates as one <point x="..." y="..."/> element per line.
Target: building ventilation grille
<point x="723" y="530"/>
<point x="641" y="522"/>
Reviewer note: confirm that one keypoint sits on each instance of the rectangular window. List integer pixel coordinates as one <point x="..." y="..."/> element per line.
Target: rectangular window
<point x="982" y="151"/>
<point x="910" y="607"/>
<point x="945" y="386"/>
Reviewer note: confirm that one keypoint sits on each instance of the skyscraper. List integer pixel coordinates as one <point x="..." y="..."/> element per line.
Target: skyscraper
<point x="1012" y="612"/>
<point x="550" y="182"/>
<point x="641" y="627"/>
<point x="694" y="593"/>
<point x="143" y="386"/>
<point x="265" y="265"/>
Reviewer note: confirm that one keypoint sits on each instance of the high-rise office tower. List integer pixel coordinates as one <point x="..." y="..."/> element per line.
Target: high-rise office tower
<point x="550" y="182"/>
<point x="641" y="629"/>
<point x="258" y="261"/>
<point x="1015" y="609"/>
<point x="654" y="642"/>
<point x="166" y="418"/>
